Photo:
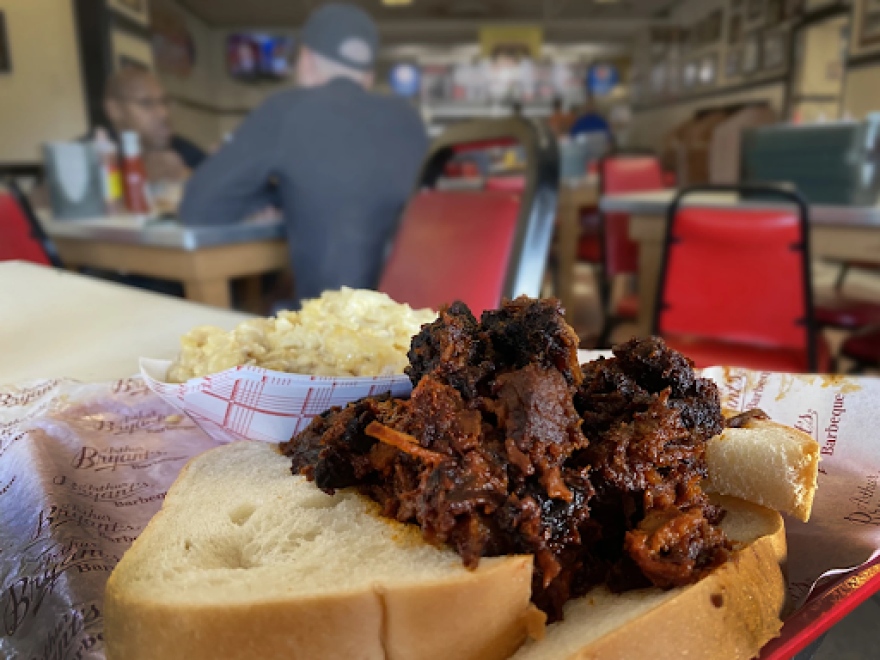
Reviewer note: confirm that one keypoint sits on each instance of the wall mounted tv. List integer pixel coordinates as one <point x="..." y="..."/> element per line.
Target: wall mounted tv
<point x="255" y="56"/>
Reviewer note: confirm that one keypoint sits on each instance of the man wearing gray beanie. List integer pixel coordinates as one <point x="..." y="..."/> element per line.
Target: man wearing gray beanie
<point x="341" y="161"/>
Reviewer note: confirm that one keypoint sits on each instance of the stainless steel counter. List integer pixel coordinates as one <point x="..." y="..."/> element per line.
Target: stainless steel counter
<point x="137" y="230"/>
<point x="656" y="204"/>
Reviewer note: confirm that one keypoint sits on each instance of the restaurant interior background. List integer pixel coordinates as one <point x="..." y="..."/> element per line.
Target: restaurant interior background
<point x="681" y="79"/>
<point x="674" y="58"/>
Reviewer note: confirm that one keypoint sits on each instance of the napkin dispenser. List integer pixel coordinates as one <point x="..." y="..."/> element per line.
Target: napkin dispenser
<point x="831" y="163"/>
<point x="73" y="171"/>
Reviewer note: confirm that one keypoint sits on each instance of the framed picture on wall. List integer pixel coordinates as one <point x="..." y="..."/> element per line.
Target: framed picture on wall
<point x="658" y="79"/>
<point x="713" y="26"/>
<point x="793" y="8"/>
<point x="708" y="72"/>
<point x="869" y="30"/>
<point x="775" y="13"/>
<point x="751" y="54"/>
<point x="774" y="50"/>
<point x="755" y="10"/>
<point x="689" y="77"/>
<point x="734" y="57"/>
<point x="735" y="29"/>
<point x="128" y="62"/>
<point x="136" y="9"/>
<point x="5" y="59"/>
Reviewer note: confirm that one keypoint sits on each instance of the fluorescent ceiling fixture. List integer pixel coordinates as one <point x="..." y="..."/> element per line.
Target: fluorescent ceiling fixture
<point x="393" y="3"/>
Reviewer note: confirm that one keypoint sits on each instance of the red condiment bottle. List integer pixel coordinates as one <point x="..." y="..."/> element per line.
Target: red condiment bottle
<point x="135" y="177"/>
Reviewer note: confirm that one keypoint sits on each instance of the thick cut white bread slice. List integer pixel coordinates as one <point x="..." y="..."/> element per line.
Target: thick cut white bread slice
<point x="246" y="561"/>
<point x="766" y="463"/>
<point x="729" y="615"/>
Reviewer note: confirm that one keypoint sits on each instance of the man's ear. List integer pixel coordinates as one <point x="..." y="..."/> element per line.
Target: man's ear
<point x="304" y="67"/>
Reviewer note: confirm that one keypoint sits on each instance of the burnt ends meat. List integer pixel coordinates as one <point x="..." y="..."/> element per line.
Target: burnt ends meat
<point x="508" y="446"/>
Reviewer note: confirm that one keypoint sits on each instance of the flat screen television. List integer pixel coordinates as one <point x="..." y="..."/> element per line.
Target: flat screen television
<point x="257" y="56"/>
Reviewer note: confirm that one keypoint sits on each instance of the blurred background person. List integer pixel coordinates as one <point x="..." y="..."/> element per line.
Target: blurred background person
<point x="134" y="100"/>
<point x="590" y="121"/>
<point x="340" y="161"/>
<point x="560" y="120"/>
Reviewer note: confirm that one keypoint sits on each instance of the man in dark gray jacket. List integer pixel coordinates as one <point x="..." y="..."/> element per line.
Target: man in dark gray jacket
<point x="341" y="160"/>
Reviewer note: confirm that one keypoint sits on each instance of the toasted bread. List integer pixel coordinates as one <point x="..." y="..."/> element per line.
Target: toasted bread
<point x="766" y="463"/>
<point x="728" y="615"/>
<point x="246" y="561"/>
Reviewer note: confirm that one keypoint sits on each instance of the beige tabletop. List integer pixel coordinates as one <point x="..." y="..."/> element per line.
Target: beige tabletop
<point x="54" y="323"/>
<point x="204" y="259"/>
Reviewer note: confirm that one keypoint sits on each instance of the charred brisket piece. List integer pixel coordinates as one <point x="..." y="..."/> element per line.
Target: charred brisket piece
<point x="451" y="350"/>
<point x="526" y="331"/>
<point x="648" y="417"/>
<point x="507" y="445"/>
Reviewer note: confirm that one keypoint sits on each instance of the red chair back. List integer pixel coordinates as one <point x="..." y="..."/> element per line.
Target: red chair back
<point x="738" y="275"/>
<point x="627" y="173"/>
<point x="477" y="246"/>
<point x="507" y="183"/>
<point x="622" y="173"/>
<point x="17" y="237"/>
<point x="452" y="245"/>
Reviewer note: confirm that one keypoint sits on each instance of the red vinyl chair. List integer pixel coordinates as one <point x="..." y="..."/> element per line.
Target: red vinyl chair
<point x="21" y="236"/>
<point x="618" y="255"/>
<point x="515" y="184"/>
<point x="477" y="246"/>
<point x="735" y="286"/>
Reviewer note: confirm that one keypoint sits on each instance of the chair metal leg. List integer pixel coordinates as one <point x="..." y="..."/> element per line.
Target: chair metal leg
<point x="608" y="319"/>
<point x="841" y="276"/>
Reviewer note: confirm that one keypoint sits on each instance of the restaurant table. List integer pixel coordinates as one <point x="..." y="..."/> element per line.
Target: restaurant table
<point x="203" y="258"/>
<point x="54" y="323"/>
<point x="574" y="198"/>
<point x="838" y="232"/>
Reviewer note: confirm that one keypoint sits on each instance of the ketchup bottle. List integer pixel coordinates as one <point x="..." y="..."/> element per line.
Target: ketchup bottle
<point x="112" y="174"/>
<point x="135" y="182"/>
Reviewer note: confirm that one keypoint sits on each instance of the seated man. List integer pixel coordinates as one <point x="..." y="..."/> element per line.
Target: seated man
<point x="134" y="100"/>
<point x="340" y="160"/>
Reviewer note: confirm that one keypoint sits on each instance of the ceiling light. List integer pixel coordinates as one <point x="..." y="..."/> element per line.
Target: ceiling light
<point x="396" y="3"/>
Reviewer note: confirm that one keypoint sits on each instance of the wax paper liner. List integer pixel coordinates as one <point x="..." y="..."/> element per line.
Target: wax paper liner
<point x="250" y="403"/>
<point x="83" y="468"/>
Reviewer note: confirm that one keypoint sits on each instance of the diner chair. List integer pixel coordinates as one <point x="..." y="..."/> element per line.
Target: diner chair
<point x="21" y="235"/>
<point x="735" y="287"/>
<point x="515" y="184"/>
<point x="476" y="246"/>
<point x="611" y="247"/>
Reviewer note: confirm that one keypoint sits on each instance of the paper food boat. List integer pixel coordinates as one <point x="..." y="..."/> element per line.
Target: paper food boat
<point x="250" y="403"/>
